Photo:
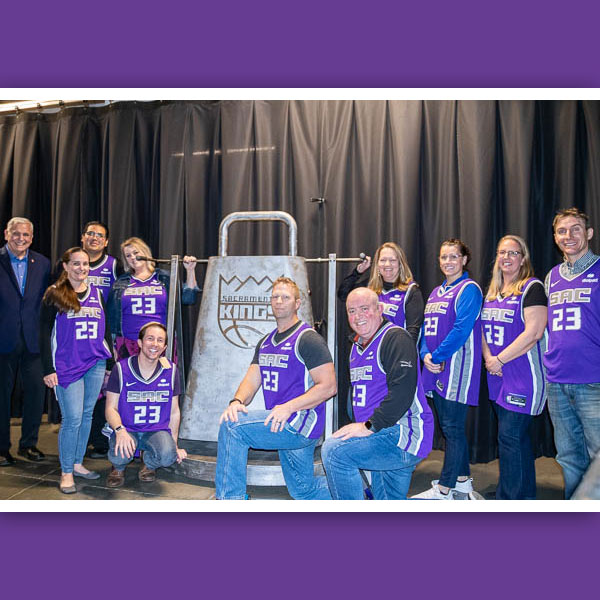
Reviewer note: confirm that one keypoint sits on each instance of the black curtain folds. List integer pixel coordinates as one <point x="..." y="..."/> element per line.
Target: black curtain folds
<point x="415" y="172"/>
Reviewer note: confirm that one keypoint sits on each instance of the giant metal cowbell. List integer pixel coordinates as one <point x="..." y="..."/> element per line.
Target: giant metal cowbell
<point x="235" y="314"/>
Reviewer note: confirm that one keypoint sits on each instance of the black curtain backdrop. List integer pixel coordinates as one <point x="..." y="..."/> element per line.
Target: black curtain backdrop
<point x="415" y="172"/>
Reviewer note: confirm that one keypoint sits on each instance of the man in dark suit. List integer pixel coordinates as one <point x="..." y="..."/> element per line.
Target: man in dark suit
<point x="23" y="280"/>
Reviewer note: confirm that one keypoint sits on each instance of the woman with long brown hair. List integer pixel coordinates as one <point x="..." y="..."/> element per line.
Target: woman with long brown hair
<point x="75" y="345"/>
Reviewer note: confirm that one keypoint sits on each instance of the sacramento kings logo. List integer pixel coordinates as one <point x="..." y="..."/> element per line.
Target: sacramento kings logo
<point x="245" y="313"/>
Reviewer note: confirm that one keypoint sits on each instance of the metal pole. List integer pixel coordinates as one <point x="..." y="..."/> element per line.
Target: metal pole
<point x="331" y="417"/>
<point x="173" y="303"/>
<point x="322" y="260"/>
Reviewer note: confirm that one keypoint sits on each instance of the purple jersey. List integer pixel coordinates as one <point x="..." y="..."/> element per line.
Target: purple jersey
<point x="394" y="305"/>
<point x="285" y="377"/>
<point x="141" y="303"/>
<point x="369" y="388"/>
<point x="78" y="339"/>
<point x="459" y="381"/>
<point x="145" y="404"/>
<point x="522" y="386"/>
<point x="104" y="274"/>
<point x="573" y="354"/>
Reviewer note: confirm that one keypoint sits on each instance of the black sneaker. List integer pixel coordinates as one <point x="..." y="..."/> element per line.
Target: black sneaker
<point x="7" y="459"/>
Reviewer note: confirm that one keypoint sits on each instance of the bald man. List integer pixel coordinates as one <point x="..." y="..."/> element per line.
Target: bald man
<point x="393" y="425"/>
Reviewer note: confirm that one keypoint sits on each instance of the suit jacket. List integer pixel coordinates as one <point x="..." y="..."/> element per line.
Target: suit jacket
<point x="21" y="312"/>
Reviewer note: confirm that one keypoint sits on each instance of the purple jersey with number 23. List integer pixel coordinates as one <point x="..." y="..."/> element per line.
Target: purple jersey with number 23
<point x="573" y="354"/>
<point x="145" y="404"/>
<point x="459" y="380"/>
<point x="522" y="387"/>
<point x="285" y="377"/>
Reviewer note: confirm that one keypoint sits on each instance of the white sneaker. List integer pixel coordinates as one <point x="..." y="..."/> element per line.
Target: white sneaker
<point x="434" y="493"/>
<point x="464" y="487"/>
<point x="464" y="490"/>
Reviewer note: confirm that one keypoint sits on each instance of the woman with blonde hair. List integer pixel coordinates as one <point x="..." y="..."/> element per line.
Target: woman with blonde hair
<point x="392" y="280"/>
<point x="140" y="295"/>
<point x="514" y="320"/>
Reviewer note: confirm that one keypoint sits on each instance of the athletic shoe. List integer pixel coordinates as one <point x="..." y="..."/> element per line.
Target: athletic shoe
<point x="464" y="491"/>
<point x="464" y="487"/>
<point x="434" y="493"/>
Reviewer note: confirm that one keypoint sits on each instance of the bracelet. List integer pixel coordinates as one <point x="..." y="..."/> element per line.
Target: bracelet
<point x="498" y="359"/>
<point x="235" y="400"/>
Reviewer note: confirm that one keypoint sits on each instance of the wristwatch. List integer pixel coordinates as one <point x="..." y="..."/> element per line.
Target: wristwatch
<point x="368" y="424"/>
<point x="119" y="427"/>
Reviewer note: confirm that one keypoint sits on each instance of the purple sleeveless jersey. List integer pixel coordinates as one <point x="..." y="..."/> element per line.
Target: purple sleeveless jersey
<point x="369" y="388"/>
<point x="393" y="302"/>
<point x="522" y="387"/>
<point x="143" y="302"/>
<point x="285" y="377"/>
<point x="573" y="354"/>
<point x="145" y="405"/>
<point x="78" y="339"/>
<point x="104" y="275"/>
<point x="459" y="381"/>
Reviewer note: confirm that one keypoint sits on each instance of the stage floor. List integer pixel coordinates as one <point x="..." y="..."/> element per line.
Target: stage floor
<point x="39" y="481"/>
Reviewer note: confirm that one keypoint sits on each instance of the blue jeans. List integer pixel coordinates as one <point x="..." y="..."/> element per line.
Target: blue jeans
<point x="76" y="403"/>
<point x="158" y="446"/>
<point x="515" y="453"/>
<point x="391" y="467"/>
<point x="575" y="413"/>
<point x="296" y="454"/>
<point x="452" y="417"/>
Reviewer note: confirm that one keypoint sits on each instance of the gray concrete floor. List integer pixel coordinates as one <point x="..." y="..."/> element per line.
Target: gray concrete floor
<point x="39" y="480"/>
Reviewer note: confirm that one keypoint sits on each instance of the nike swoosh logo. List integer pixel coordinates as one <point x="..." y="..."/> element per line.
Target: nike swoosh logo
<point x="555" y="283"/>
<point x="128" y="384"/>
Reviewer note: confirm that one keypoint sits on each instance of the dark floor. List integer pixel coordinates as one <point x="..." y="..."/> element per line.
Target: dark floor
<point x="39" y="481"/>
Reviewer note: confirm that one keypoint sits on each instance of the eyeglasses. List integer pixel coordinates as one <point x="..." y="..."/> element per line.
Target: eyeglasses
<point x="95" y="234"/>
<point x="450" y="256"/>
<point x="511" y="253"/>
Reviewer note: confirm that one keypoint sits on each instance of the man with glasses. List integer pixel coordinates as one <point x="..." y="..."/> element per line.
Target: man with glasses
<point x="573" y="357"/>
<point x="293" y="366"/>
<point x="104" y="270"/>
<point x="23" y="280"/>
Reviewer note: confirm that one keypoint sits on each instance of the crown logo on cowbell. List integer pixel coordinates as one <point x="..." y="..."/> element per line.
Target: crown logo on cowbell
<point x="244" y="310"/>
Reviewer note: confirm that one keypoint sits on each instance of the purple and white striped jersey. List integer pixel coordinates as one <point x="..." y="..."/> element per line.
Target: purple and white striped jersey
<point x="369" y="387"/>
<point x="459" y="381"/>
<point x="394" y="301"/>
<point x="145" y="404"/>
<point x="522" y="387"/>
<point x="141" y="303"/>
<point x="285" y="377"/>
<point x="78" y="339"/>
<point x="104" y="274"/>
<point x="573" y="354"/>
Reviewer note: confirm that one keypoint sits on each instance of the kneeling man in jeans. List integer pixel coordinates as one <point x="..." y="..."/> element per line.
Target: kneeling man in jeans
<point x="393" y="425"/>
<point x="142" y="408"/>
